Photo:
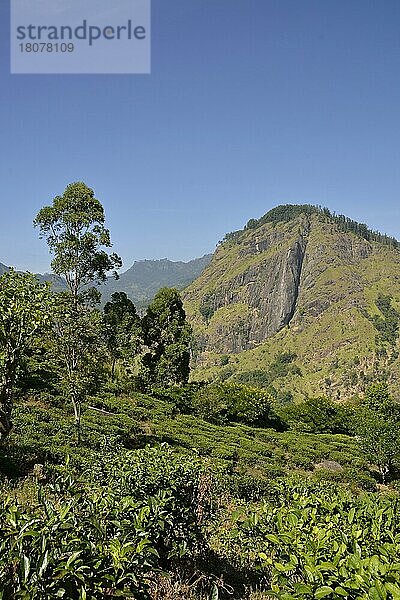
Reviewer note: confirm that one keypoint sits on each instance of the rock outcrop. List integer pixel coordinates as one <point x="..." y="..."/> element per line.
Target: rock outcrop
<point x="283" y="274"/>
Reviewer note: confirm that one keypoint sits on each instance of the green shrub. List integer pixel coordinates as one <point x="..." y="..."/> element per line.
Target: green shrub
<point x="352" y="478"/>
<point x="251" y="488"/>
<point x="224" y="402"/>
<point x="317" y="415"/>
<point x="181" y="397"/>
<point x="107" y="533"/>
<point x="318" y="542"/>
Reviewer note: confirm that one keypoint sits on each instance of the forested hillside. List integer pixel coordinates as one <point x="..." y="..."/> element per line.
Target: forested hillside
<point x="141" y="281"/>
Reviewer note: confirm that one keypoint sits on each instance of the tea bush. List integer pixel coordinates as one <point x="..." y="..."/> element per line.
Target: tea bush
<point x="107" y="533"/>
<point x="320" y="543"/>
<point x="317" y="415"/>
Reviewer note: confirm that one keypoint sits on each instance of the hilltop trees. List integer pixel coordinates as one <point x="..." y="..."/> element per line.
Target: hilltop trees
<point x="25" y="307"/>
<point x="287" y="212"/>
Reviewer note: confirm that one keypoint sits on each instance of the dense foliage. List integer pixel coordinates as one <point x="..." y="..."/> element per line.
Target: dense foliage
<point x="73" y="226"/>
<point x="317" y="415"/>
<point x="122" y="329"/>
<point x="167" y="338"/>
<point x="106" y="534"/>
<point x="224" y="402"/>
<point x="25" y="307"/>
<point x="321" y="543"/>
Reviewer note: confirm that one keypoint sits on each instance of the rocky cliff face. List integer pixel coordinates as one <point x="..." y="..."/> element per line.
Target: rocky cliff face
<point x="305" y="276"/>
<point x="251" y="289"/>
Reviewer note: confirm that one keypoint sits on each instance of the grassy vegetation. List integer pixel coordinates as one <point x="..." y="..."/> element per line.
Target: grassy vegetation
<point x="42" y="434"/>
<point x="243" y="477"/>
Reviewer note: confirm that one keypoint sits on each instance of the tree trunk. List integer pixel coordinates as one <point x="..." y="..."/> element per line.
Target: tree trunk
<point x="384" y="472"/>
<point x="77" y="413"/>
<point x="5" y="422"/>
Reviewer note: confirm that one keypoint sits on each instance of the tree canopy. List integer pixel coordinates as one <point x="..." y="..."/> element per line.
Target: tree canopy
<point x="74" y="229"/>
<point x="122" y="328"/>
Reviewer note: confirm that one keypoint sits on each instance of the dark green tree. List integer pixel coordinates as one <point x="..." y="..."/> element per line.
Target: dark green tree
<point x="122" y="329"/>
<point x="379" y="440"/>
<point x="167" y="337"/>
<point x="377" y="425"/>
<point x="377" y="396"/>
<point x="317" y="415"/>
<point x="25" y="309"/>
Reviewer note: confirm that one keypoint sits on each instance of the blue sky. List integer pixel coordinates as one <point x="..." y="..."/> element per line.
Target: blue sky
<point x="250" y="104"/>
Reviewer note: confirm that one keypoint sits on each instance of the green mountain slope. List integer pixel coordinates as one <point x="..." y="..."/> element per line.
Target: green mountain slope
<point x="143" y="280"/>
<point x="301" y="299"/>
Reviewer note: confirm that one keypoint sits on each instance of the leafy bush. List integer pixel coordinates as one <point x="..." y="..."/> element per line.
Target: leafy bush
<point x="317" y="415"/>
<point x="351" y="477"/>
<point x="86" y="539"/>
<point x="224" y="402"/>
<point x="181" y="397"/>
<point x="320" y="543"/>
<point x="251" y="488"/>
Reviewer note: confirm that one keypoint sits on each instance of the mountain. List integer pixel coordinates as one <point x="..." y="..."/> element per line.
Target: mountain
<point x="143" y="280"/>
<point x="303" y="300"/>
<point x="58" y="283"/>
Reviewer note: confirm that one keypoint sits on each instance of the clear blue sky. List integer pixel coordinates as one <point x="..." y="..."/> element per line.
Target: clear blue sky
<point x="251" y="103"/>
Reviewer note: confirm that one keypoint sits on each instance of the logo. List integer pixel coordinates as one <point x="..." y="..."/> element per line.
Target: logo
<point x="53" y="36"/>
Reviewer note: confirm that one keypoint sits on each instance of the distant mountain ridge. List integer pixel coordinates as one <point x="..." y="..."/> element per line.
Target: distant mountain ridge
<point x="143" y="279"/>
<point x="57" y="282"/>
